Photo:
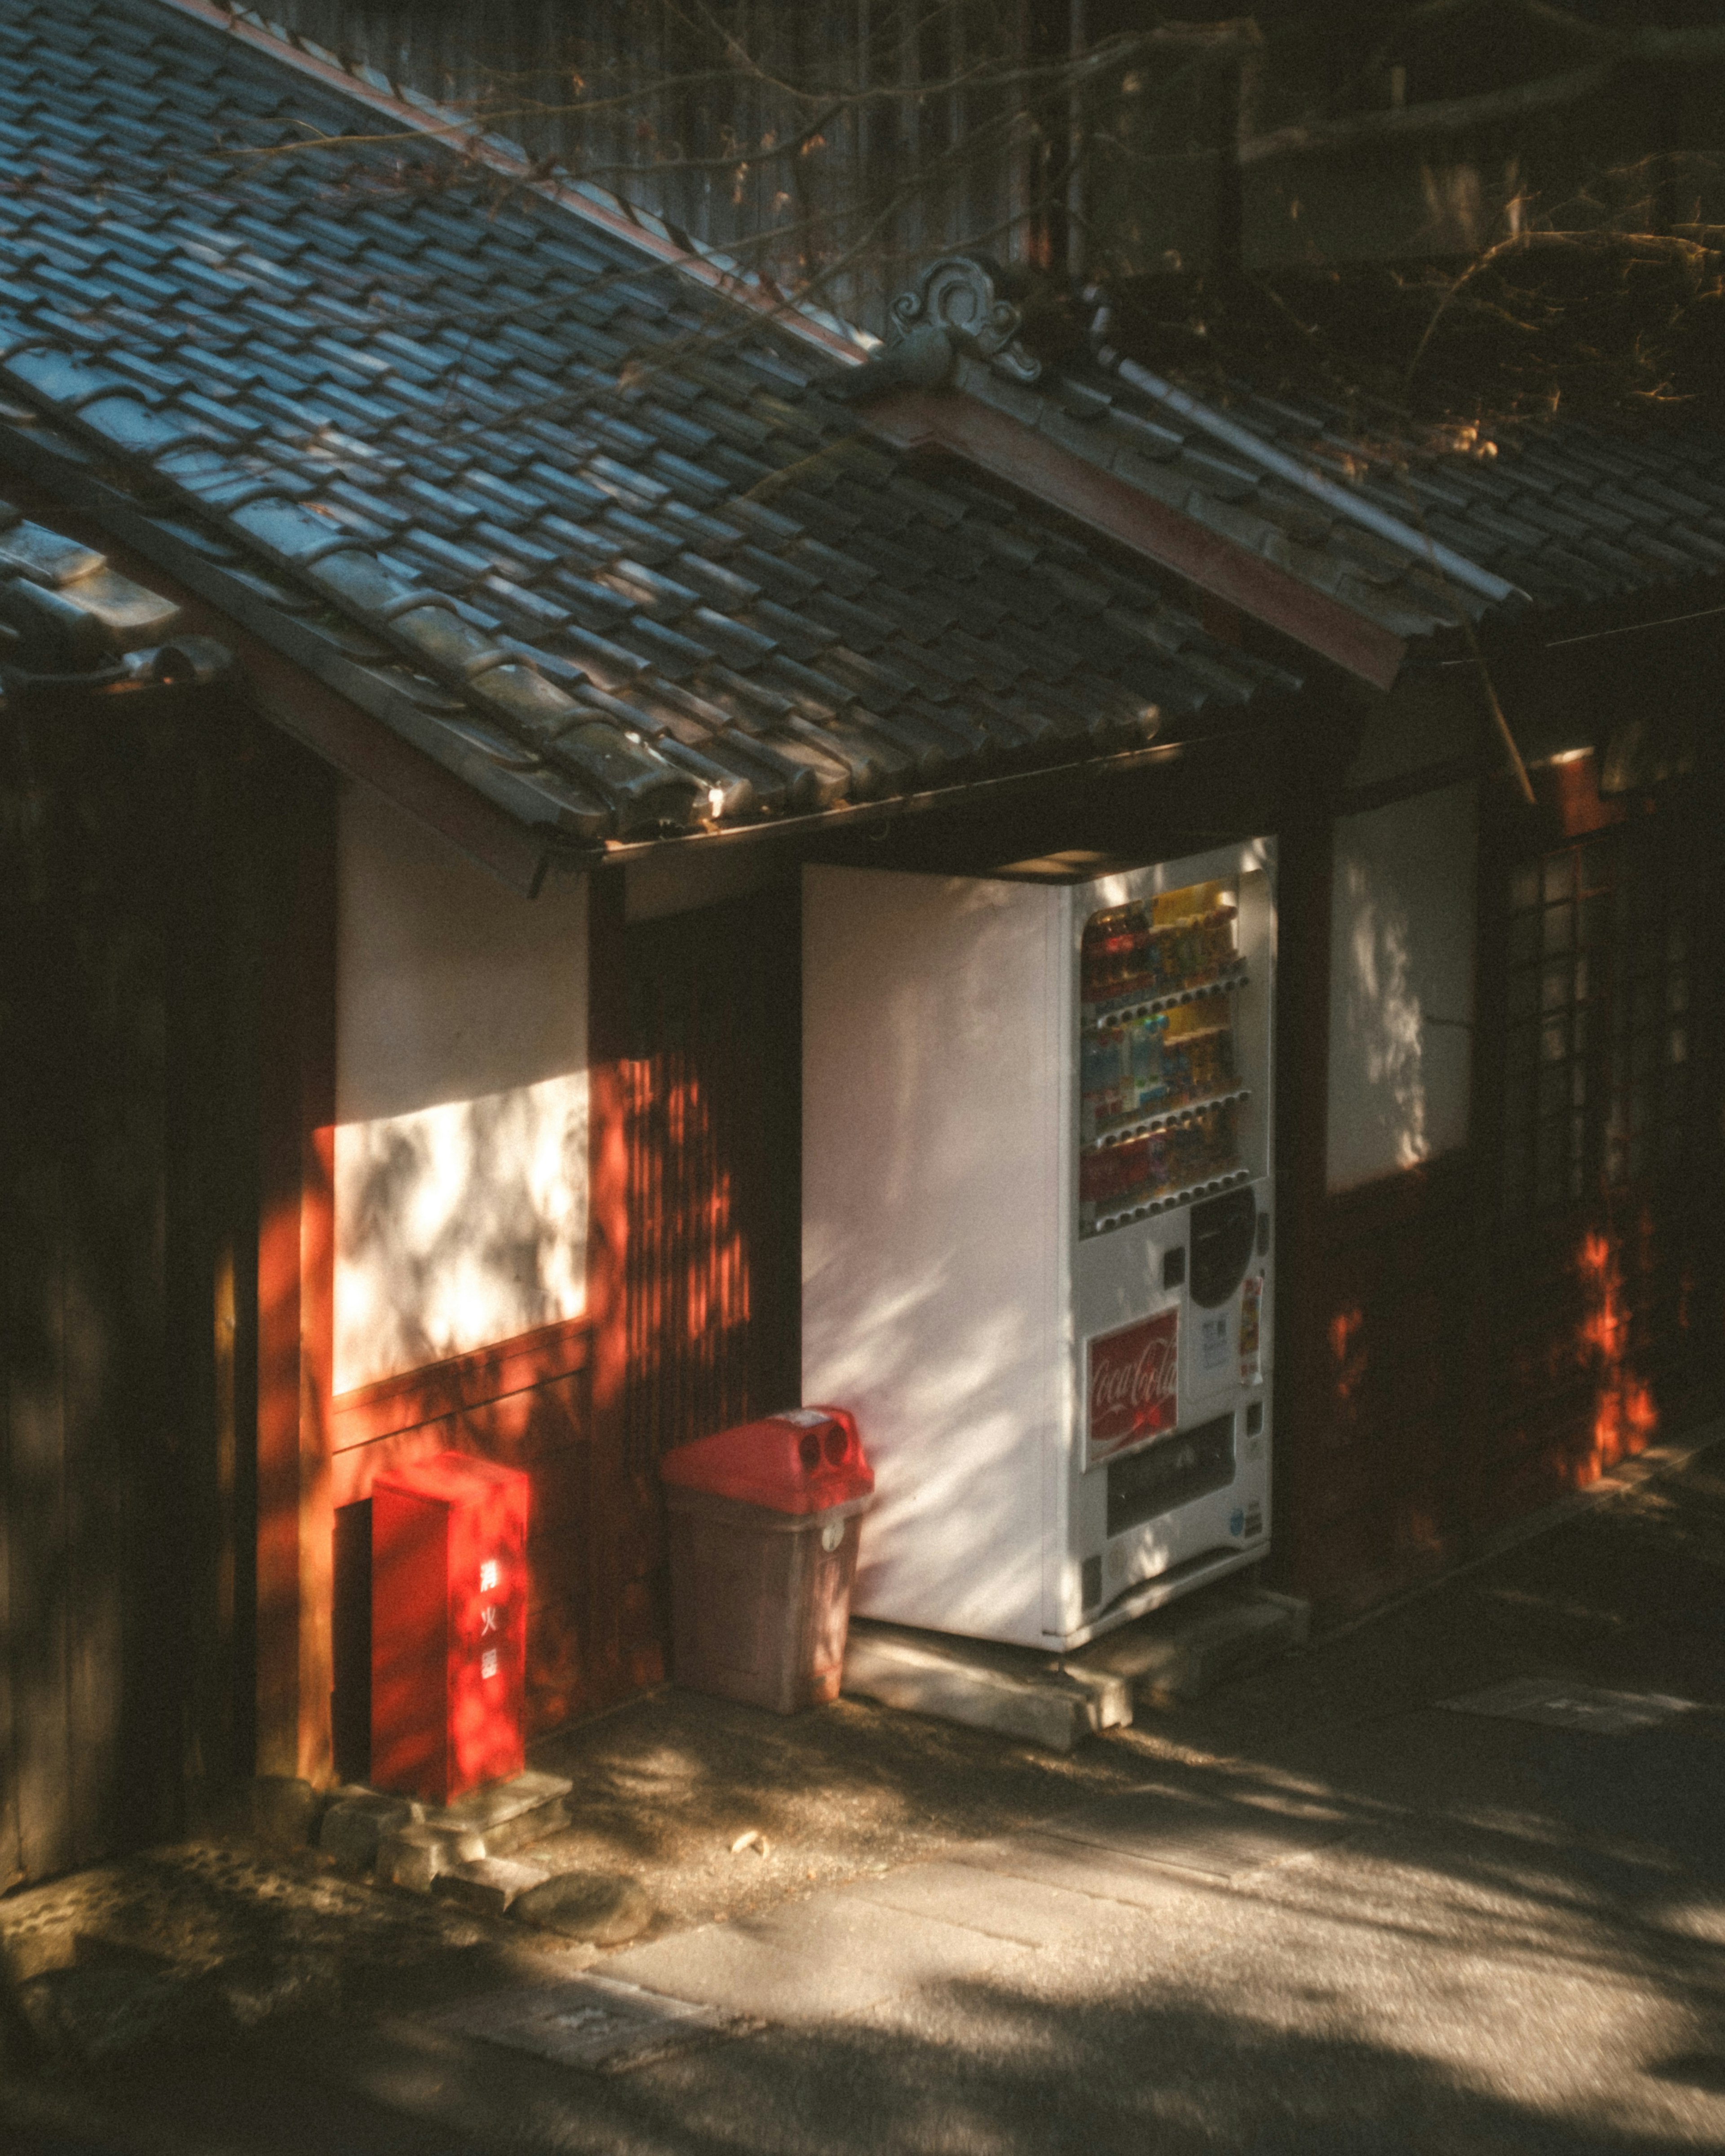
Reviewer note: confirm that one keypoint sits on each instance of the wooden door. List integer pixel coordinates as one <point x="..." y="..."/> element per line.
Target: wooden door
<point x="712" y="1086"/>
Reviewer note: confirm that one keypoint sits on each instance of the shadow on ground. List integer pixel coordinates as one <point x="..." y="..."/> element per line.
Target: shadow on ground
<point x="1516" y="1941"/>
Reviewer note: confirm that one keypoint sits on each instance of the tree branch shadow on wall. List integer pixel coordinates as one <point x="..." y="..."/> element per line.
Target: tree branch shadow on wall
<point x="458" y="1226"/>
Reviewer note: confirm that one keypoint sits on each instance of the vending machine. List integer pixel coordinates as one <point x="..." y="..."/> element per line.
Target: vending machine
<point x="1037" y="1237"/>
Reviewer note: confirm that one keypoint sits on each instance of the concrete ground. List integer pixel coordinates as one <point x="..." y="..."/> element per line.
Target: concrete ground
<point x="1320" y="1911"/>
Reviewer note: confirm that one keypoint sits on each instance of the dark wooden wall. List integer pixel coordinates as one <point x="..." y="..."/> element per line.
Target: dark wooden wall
<point x="134" y="900"/>
<point x="1499" y="1328"/>
<point x="714" y="1275"/>
<point x="849" y="169"/>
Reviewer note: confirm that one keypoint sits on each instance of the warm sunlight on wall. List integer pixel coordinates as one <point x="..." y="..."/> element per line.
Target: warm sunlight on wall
<point x="459" y="1225"/>
<point x="1626" y="1418"/>
<point x="1401" y="1039"/>
<point x="461" y="1101"/>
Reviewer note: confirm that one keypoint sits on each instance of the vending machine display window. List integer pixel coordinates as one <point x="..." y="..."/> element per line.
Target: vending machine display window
<point x="1159" y="1085"/>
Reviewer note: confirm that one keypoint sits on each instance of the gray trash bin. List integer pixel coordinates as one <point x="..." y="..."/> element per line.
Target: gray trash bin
<point x="765" y="1520"/>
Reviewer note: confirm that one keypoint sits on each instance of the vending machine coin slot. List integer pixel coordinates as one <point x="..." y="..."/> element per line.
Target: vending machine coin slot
<point x="1174" y="1267"/>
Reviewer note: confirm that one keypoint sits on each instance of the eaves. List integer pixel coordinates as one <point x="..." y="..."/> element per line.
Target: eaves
<point x="1028" y="457"/>
<point x="343" y="712"/>
<point x="353" y="717"/>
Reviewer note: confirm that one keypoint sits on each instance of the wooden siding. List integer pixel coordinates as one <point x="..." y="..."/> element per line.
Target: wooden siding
<point x="135" y="889"/>
<point x="715" y="1149"/>
<point x="865" y="190"/>
<point x="1391" y="1481"/>
<point x="713" y="1288"/>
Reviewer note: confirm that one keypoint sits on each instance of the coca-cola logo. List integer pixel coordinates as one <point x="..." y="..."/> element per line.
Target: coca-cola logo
<point x="1133" y="1384"/>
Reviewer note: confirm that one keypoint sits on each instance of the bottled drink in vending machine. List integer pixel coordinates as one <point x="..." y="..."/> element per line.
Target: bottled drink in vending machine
<point x="1149" y="1078"/>
<point x="1210" y="1056"/>
<point x="1114" y="954"/>
<point x="1098" y="1180"/>
<point x="1099" y="1081"/>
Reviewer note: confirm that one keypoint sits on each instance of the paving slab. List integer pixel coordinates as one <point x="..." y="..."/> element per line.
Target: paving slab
<point x="506" y="1815"/>
<point x="588" y="2021"/>
<point x="1187" y="1649"/>
<point x="1081" y="1870"/>
<point x="1559" y="1705"/>
<point x="357" y="1822"/>
<point x="995" y="1904"/>
<point x="413" y="1855"/>
<point x="1196" y="1832"/>
<point x="834" y="1953"/>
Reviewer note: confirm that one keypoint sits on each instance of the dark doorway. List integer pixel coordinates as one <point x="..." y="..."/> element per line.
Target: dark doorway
<point x="712" y="1086"/>
<point x="715" y="1034"/>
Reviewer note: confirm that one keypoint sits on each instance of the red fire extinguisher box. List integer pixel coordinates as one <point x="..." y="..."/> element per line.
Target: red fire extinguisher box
<point x="448" y="1626"/>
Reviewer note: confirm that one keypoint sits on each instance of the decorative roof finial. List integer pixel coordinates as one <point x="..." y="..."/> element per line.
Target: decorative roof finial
<point x="958" y="294"/>
<point x="954" y="306"/>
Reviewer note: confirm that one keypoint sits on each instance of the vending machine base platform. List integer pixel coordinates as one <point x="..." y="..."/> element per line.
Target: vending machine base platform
<point x="1020" y="1693"/>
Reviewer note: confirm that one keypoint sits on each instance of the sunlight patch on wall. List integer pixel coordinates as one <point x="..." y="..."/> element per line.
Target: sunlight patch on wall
<point x="458" y="1226"/>
<point x="1401" y="985"/>
<point x="1383" y="1018"/>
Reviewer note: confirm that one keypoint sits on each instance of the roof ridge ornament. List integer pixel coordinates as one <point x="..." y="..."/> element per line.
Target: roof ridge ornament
<point x="954" y="306"/>
<point x="959" y="293"/>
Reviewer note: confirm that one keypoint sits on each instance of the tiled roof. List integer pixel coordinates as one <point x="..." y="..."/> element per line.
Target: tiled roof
<point x="585" y="528"/>
<point x="1563" y="511"/>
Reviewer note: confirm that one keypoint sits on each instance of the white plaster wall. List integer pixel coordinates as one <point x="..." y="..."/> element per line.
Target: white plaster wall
<point x="1401" y="985"/>
<point x="460" y="1100"/>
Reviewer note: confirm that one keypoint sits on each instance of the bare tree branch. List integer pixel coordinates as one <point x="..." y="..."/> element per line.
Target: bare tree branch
<point x="1450" y="115"/>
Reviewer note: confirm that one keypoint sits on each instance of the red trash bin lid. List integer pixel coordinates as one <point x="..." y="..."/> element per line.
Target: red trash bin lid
<point x="802" y="1460"/>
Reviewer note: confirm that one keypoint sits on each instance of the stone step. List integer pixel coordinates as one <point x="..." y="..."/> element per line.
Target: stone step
<point x="491" y="1885"/>
<point x="1186" y="1648"/>
<point x="507" y="1816"/>
<point x="601" y="1907"/>
<point x="411" y="1843"/>
<point x="1016" y="1691"/>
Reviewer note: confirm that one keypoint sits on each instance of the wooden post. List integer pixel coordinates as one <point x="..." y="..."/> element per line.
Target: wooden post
<point x="607" y="1106"/>
<point x="1305" y="871"/>
<point x="295" y="1260"/>
<point x="609" y="1074"/>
